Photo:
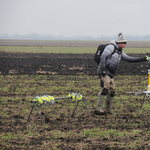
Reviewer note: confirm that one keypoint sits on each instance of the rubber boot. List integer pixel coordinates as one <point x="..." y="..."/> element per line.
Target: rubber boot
<point x="99" y="110"/>
<point x="109" y="105"/>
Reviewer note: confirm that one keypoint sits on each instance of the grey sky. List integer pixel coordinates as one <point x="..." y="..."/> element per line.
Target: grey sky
<point x="75" y="17"/>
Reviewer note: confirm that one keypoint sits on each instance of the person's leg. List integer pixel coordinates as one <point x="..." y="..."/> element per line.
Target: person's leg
<point x="110" y="98"/>
<point x="109" y="105"/>
<point x="101" y="95"/>
<point x="99" y="110"/>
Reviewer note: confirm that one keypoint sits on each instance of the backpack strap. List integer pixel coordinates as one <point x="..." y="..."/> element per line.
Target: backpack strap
<point x="115" y="48"/>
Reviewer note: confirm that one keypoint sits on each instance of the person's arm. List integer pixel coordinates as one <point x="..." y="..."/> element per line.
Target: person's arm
<point x="128" y="58"/>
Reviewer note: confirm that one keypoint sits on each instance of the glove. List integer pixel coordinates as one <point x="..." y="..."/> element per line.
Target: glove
<point x="103" y="73"/>
<point x="147" y="58"/>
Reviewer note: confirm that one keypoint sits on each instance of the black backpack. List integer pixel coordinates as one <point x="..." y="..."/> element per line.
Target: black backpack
<point x="99" y="52"/>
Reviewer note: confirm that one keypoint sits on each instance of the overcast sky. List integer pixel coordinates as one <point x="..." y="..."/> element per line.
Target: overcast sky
<point x="71" y="18"/>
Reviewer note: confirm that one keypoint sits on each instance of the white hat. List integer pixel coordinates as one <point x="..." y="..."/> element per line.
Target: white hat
<point x="121" y="39"/>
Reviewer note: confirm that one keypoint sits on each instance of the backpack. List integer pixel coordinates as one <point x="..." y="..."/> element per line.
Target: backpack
<point x="99" y="52"/>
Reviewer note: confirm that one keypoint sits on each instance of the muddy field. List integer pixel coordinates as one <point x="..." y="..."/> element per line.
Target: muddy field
<point x="22" y="78"/>
<point x="22" y="75"/>
<point x="62" y="64"/>
<point x="127" y="129"/>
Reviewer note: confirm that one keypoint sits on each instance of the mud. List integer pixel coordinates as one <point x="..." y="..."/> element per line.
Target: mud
<point x="17" y="133"/>
<point x="62" y="64"/>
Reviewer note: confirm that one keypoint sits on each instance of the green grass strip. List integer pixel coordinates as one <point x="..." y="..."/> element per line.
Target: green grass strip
<point x="79" y="50"/>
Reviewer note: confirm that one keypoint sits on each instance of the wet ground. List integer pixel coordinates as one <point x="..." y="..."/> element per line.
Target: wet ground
<point x="128" y="128"/>
<point x="62" y="64"/>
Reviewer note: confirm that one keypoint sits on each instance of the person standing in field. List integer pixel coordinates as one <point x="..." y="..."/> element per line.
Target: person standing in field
<point x="110" y="59"/>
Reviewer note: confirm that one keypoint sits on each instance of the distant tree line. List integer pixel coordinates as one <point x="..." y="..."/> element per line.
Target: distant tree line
<point x="36" y="36"/>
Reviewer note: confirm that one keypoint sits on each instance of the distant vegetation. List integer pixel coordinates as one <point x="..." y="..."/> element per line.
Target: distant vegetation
<point x="36" y="36"/>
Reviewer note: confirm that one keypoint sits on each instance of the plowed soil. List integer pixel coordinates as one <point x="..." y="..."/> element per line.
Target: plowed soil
<point x="62" y="64"/>
<point x="127" y="129"/>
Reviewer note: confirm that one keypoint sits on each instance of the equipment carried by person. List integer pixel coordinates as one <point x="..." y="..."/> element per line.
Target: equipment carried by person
<point x="100" y="50"/>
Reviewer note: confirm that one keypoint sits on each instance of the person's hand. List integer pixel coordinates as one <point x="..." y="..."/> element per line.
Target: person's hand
<point x="147" y="58"/>
<point x="103" y="73"/>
